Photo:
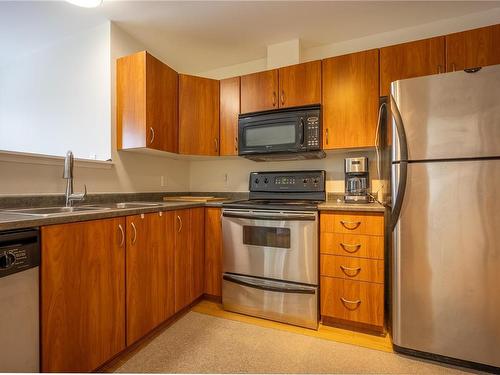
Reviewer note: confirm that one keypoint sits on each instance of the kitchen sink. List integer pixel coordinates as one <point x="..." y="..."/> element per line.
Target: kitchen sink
<point x="49" y="211"/>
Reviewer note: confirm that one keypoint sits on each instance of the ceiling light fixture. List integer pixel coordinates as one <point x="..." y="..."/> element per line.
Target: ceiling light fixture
<point x="85" y="3"/>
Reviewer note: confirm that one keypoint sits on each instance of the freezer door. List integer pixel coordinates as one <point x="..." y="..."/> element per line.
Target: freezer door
<point x="452" y="115"/>
<point x="446" y="261"/>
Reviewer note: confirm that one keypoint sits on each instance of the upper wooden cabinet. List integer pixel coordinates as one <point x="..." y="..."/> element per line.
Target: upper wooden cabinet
<point x="229" y="111"/>
<point x="473" y="48"/>
<point x="300" y="84"/>
<point x="290" y="86"/>
<point x="259" y="91"/>
<point x="150" y="272"/>
<point x="408" y="60"/>
<point x="198" y="115"/>
<point x="82" y="294"/>
<point x="350" y="100"/>
<point x="146" y="103"/>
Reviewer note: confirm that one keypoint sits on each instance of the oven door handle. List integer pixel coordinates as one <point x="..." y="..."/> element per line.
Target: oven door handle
<point x="267" y="286"/>
<point x="285" y="217"/>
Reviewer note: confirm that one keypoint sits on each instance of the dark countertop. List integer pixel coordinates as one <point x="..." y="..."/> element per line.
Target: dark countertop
<point x="333" y="205"/>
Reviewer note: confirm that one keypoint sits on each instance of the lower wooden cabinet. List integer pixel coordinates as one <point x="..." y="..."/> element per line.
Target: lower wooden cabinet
<point x="82" y="294"/>
<point x="352" y="269"/>
<point x="189" y="257"/>
<point x="149" y="272"/>
<point x="213" y="252"/>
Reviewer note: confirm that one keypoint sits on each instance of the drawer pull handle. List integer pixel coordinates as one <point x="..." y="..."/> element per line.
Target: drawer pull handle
<point x="346" y="302"/>
<point x="346" y="247"/>
<point x="348" y="271"/>
<point x="351" y="225"/>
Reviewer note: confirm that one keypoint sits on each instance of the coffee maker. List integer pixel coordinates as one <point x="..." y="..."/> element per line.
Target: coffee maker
<point x="357" y="180"/>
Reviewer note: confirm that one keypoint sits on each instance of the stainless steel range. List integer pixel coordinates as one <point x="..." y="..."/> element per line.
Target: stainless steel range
<point x="271" y="248"/>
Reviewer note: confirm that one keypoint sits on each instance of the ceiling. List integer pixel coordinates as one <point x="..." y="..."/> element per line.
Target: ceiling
<point x="199" y="36"/>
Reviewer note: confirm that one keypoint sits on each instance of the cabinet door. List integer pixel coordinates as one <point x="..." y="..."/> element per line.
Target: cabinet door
<point x="473" y="48"/>
<point x="198" y="115"/>
<point x="229" y="111"/>
<point x="150" y="272"/>
<point x="146" y="103"/>
<point x="259" y="91"/>
<point x="197" y="252"/>
<point x="82" y="294"/>
<point x="182" y="259"/>
<point x="408" y="60"/>
<point x="300" y="84"/>
<point x="350" y="100"/>
<point x="213" y="251"/>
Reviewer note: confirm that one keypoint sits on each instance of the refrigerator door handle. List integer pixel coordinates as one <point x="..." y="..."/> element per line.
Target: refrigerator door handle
<point x="403" y="163"/>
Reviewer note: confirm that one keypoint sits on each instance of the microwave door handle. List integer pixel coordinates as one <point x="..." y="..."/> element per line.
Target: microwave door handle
<point x="301" y="131"/>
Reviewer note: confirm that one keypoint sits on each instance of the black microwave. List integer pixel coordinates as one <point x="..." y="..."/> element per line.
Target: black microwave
<point x="291" y="133"/>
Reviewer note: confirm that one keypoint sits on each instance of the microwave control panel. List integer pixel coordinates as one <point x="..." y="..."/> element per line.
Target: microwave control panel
<point x="313" y="137"/>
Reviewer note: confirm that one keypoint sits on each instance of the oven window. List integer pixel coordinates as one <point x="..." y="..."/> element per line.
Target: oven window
<point x="270" y="135"/>
<point x="266" y="236"/>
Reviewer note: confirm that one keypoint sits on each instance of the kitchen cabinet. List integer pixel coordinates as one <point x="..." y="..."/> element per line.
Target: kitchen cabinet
<point x="229" y="111"/>
<point x="82" y="294"/>
<point x="290" y="86"/>
<point x="198" y="115"/>
<point x="189" y="256"/>
<point x="409" y="60"/>
<point x="300" y="84"/>
<point x="146" y="103"/>
<point x="352" y="269"/>
<point x="213" y="252"/>
<point x="350" y="101"/>
<point x="149" y="272"/>
<point x="473" y="48"/>
<point x="259" y="91"/>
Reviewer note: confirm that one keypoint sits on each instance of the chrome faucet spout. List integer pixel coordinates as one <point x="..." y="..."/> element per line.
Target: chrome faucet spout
<point x="70" y="196"/>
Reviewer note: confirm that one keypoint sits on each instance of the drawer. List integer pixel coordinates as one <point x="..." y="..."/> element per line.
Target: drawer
<point x="352" y="223"/>
<point x="352" y="245"/>
<point x="360" y="269"/>
<point x="354" y="301"/>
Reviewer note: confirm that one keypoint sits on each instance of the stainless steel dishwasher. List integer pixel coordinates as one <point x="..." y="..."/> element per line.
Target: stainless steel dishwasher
<point x="19" y="301"/>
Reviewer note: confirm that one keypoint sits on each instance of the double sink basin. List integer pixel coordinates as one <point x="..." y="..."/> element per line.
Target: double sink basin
<point x="52" y="211"/>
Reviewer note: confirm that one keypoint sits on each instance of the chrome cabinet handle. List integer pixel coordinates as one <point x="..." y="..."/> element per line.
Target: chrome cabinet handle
<point x="282" y="97"/>
<point x="346" y="224"/>
<point x="180" y="223"/>
<point x="134" y="238"/>
<point x="274" y="98"/>
<point x="152" y="132"/>
<point x="356" y="271"/>
<point x="216" y="142"/>
<point x="326" y="131"/>
<point x="346" y="302"/>
<point x="345" y="246"/>
<point x="122" y="232"/>
<point x="236" y="144"/>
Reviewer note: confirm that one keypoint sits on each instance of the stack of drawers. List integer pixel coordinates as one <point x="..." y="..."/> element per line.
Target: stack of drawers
<point x="352" y="269"/>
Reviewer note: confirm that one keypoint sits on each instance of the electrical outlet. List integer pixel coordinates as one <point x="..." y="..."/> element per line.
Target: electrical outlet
<point x="226" y="179"/>
<point x="163" y="181"/>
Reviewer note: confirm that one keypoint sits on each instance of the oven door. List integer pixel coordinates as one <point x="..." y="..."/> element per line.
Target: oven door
<point x="281" y="245"/>
<point x="271" y="134"/>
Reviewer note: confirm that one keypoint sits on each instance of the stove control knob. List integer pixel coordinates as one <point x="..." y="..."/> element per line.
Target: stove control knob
<point x="266" y="180"/>
<point x="304" y="180"/>
<point x="315" y="181"/>
<point x="7" y="260"/>
<point x="257" y="181"/>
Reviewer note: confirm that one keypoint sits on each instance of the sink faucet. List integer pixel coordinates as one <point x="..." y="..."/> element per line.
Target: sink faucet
<point x="68" y="176"/>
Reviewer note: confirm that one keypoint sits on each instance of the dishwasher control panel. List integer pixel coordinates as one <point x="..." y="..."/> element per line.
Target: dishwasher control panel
<point x="19" y="251"/>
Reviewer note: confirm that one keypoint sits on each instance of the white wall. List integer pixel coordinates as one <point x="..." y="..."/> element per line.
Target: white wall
<point x="58" y="98"/>
<point x="130" y="172"/>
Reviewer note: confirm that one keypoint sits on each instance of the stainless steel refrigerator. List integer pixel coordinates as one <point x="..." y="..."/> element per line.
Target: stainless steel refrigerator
<point x="446" y="216"/>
